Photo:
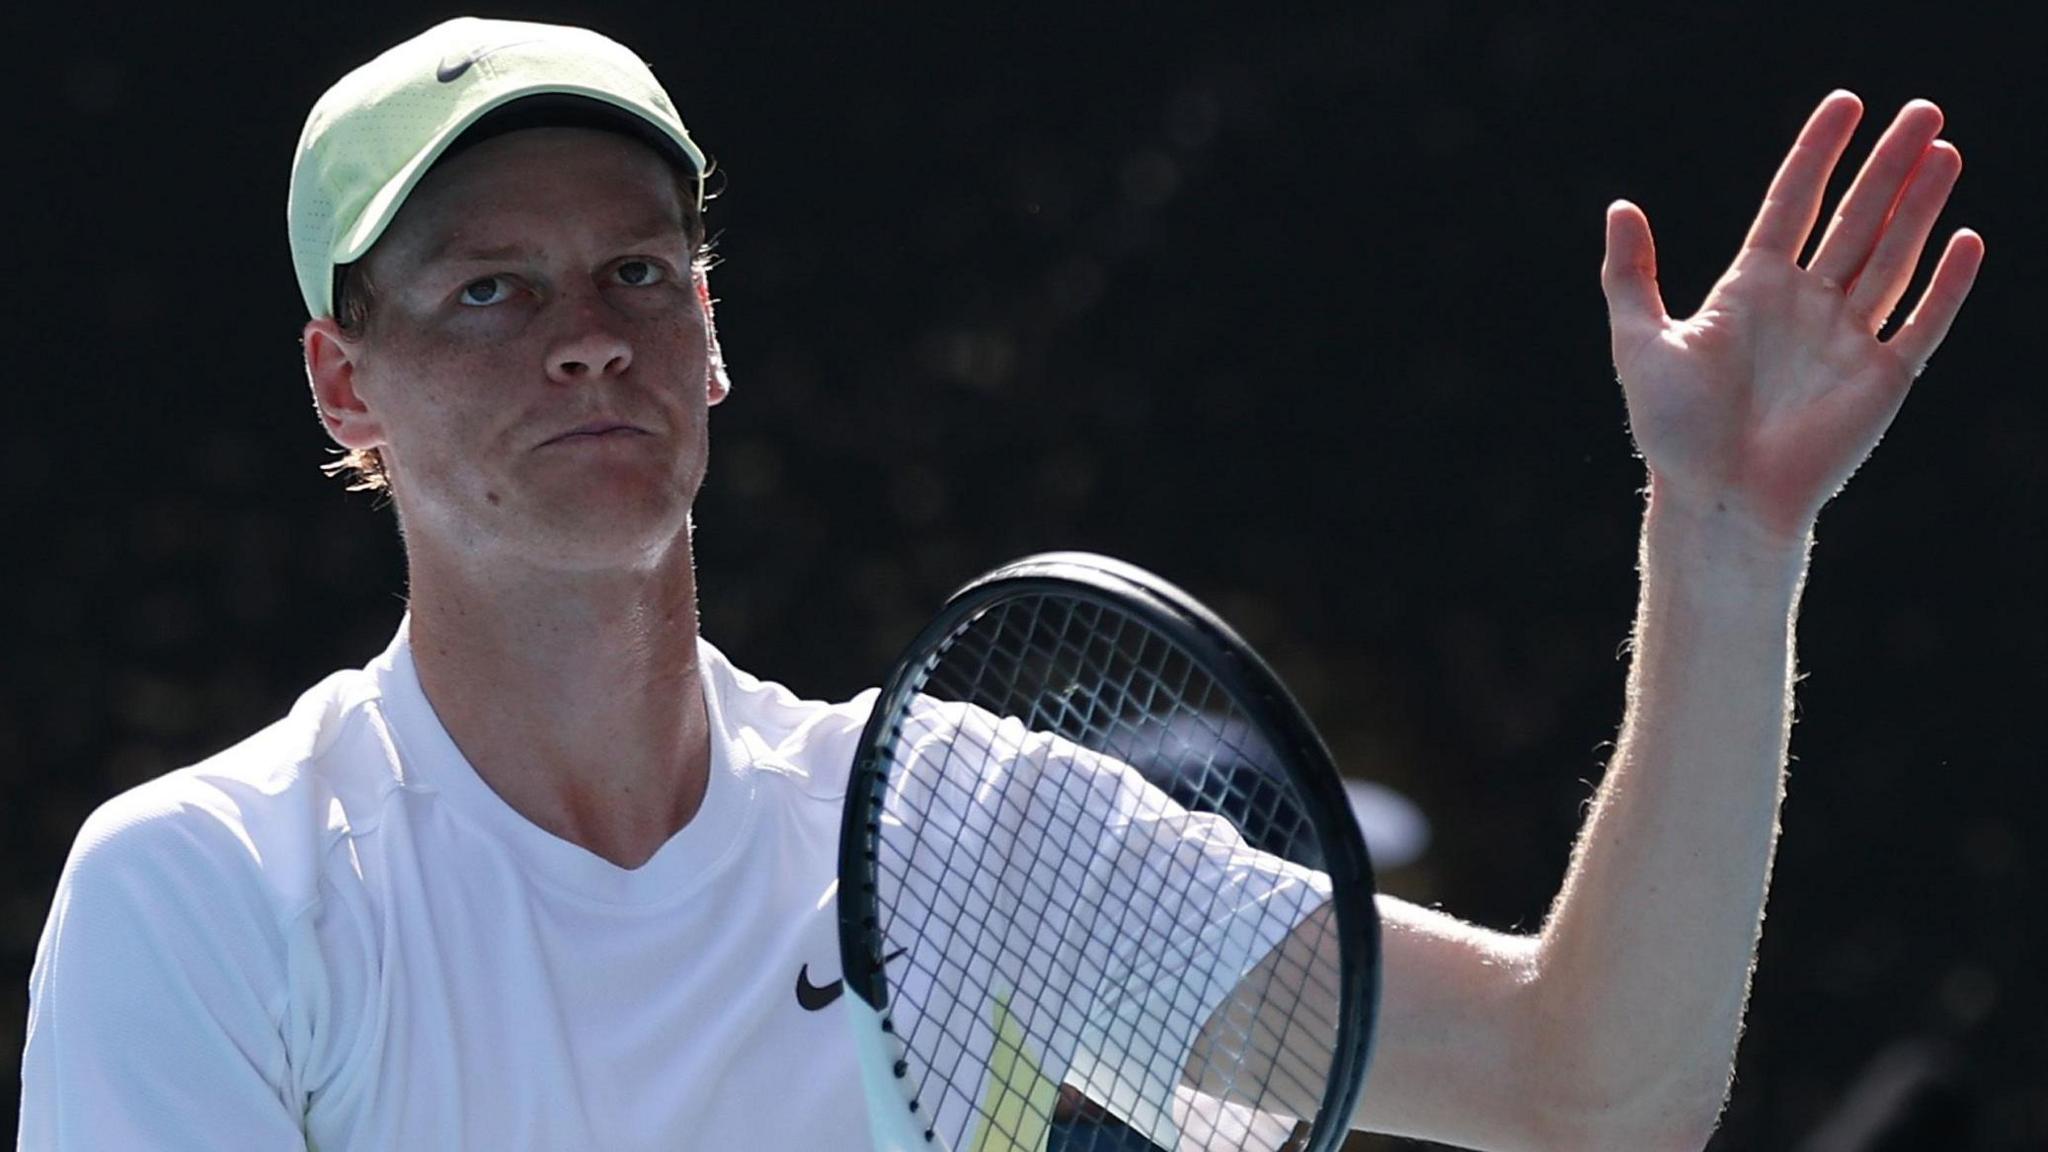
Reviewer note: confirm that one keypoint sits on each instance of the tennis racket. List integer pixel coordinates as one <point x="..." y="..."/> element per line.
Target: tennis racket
<point x="1100" y="889"/>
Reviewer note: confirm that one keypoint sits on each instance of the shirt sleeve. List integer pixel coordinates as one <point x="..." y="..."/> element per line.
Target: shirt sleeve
<point x="157" y="1001"/>
<point x="1180" y="909"/>
<point x="1102" y="920"/>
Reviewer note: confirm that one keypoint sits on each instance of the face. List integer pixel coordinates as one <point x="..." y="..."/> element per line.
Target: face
<point x="539" y="362"/>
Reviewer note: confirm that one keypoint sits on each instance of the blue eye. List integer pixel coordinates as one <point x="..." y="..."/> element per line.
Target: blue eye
<point x="488" y="290"/>
<point x="639" y="273"/>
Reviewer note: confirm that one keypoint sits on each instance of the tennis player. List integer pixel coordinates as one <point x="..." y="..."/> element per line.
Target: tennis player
<point x="551" y="873"/>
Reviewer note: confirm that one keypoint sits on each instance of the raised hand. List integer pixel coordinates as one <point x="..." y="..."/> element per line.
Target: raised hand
<point x="1763" y="402"/>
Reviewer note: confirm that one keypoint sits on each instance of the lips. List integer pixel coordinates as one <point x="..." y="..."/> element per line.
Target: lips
<point x="595" y="430"/>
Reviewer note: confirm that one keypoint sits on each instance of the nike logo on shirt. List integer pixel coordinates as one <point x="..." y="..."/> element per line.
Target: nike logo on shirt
<point x="818" y="997"/>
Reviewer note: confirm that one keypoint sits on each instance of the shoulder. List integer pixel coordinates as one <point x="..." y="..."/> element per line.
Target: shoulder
<point x="181" y="943"/>
<point x="254" y="818"/>
<point x="766" y="726"/>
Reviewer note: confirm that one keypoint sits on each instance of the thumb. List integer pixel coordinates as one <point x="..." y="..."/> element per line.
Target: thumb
<point x="1629" y="274"/>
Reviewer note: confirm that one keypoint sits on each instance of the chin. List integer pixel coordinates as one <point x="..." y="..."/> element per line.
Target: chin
<point x="611" y="536"/>
<point x="609" y="520"/>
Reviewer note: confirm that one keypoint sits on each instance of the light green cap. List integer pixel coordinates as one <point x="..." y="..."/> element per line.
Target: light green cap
<point x="377" y="131"/>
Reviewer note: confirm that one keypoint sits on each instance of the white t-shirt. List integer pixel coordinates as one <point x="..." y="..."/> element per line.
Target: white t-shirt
<point x="335" y="936"/>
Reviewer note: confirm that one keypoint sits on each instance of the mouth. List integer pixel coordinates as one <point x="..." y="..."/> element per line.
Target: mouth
<point x="595" y="430"/>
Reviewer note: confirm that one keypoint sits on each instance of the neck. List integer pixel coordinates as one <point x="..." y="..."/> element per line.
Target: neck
<point x="575" y="695"/>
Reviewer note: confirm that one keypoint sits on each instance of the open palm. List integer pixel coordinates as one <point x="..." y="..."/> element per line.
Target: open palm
<point x="1765" y="400"/>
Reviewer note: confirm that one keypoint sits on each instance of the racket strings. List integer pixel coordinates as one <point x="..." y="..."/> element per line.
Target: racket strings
<point x="1304" y="1033"/>
<point x="1024" y="838"/>
<point x="1065" y="716"/>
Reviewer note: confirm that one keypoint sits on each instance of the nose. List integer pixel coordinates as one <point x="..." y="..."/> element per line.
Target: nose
<point x="590" y="349"/>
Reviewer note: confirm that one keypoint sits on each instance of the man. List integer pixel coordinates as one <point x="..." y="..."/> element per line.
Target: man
<point x="539" y="876"/>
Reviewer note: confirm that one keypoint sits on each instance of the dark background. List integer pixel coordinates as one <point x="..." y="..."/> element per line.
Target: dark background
<point x="1296" y="304"/>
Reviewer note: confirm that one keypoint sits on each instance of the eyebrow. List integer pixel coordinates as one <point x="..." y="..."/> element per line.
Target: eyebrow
<point x="448" y="252"/>
<point x="452" y="250"/>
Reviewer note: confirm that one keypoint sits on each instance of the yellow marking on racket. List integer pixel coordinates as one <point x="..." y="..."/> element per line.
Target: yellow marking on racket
<point x="1017" y="1098"/>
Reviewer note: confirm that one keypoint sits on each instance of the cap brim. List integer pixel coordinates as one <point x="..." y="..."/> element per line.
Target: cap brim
<point x="383" y="207"/>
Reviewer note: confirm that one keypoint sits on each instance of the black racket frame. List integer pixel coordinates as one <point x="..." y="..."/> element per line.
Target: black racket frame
<point x="1226" y="657"/>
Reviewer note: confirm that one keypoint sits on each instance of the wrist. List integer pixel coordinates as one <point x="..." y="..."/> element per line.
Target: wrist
<point x="1721" y="538"/>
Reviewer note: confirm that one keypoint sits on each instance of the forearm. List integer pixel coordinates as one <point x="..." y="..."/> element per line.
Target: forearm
<point x="1644" y="961"/>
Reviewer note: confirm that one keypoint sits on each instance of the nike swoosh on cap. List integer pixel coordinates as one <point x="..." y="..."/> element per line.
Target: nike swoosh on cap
<point x="448" y="73"/>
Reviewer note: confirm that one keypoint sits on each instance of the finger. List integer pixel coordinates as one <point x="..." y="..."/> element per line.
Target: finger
<point x="1925" y="329"/>
<point x="1793" y="202"/>
<point x="1629" y="274"/>
<point x="1860" y="219"/>
<point x="1883" y="281"/>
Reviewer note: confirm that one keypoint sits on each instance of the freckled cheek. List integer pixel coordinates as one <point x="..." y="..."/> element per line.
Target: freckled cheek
<point x="684" y="330"/>
<point x="439" y="418"/>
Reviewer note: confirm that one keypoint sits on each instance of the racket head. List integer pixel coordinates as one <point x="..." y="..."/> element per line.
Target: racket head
<point x="1050" y="621"/>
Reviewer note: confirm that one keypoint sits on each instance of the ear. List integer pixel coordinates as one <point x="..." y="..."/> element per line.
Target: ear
<point x="718" y="383"/>
<point x="332" y="357"/>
